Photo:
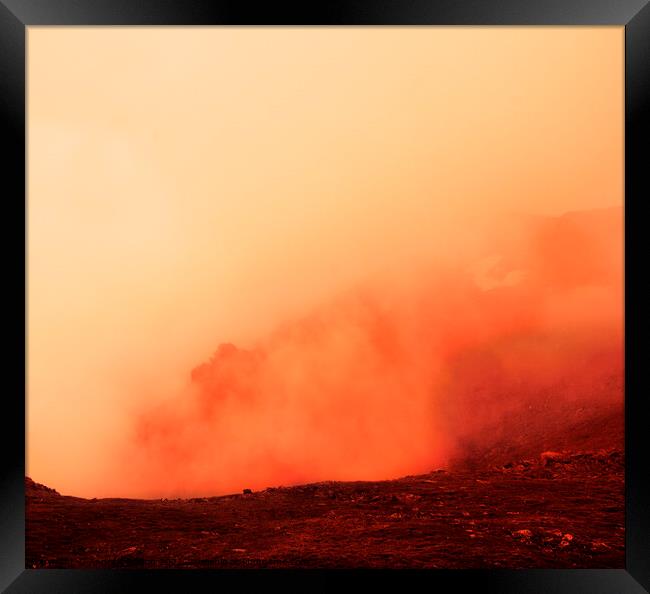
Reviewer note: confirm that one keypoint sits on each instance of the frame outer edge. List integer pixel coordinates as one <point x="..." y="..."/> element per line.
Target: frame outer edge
<point x="12" y="436"/>
<point x="332" y="12"/>
<point x="637" y="128"/>
<point x="637" y="190"/>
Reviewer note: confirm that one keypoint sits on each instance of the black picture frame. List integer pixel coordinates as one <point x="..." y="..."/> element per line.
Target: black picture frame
<point x="16" y="15"/>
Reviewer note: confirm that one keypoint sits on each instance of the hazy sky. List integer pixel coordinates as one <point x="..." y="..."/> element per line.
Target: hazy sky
<point x="188" y="187"/>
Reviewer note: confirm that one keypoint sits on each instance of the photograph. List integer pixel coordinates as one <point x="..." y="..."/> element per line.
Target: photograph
<point x="325" y="297"/>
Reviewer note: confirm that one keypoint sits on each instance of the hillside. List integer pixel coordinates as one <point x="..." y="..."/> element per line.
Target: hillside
<point x="560" y="508"/>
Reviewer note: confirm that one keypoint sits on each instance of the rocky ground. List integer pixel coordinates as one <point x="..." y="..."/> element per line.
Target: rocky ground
<point x="556" y="509"/>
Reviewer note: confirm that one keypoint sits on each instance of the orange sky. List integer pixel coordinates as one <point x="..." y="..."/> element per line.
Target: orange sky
<point x="188" y="187"/>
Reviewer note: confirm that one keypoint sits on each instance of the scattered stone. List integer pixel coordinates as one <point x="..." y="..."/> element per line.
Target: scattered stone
<point x="599" y="545"/>
<point x="406" y="498"/>
<point x="550" y="457"/>
<point x="126" y="552"/>
<point x="239" y="550"/>
<point x="566" y="540"/>
<point x="523" y="534"/>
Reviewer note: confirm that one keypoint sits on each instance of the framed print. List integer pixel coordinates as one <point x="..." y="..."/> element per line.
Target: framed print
<point x="325" y="292"/>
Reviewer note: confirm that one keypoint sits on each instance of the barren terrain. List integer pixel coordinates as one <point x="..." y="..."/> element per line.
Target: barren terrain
<point x="560" y="508"/>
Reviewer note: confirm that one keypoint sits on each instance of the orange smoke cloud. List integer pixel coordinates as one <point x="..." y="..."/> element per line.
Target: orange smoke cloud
<point x="388" y="380"/>
<point x="338" y="204"/>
